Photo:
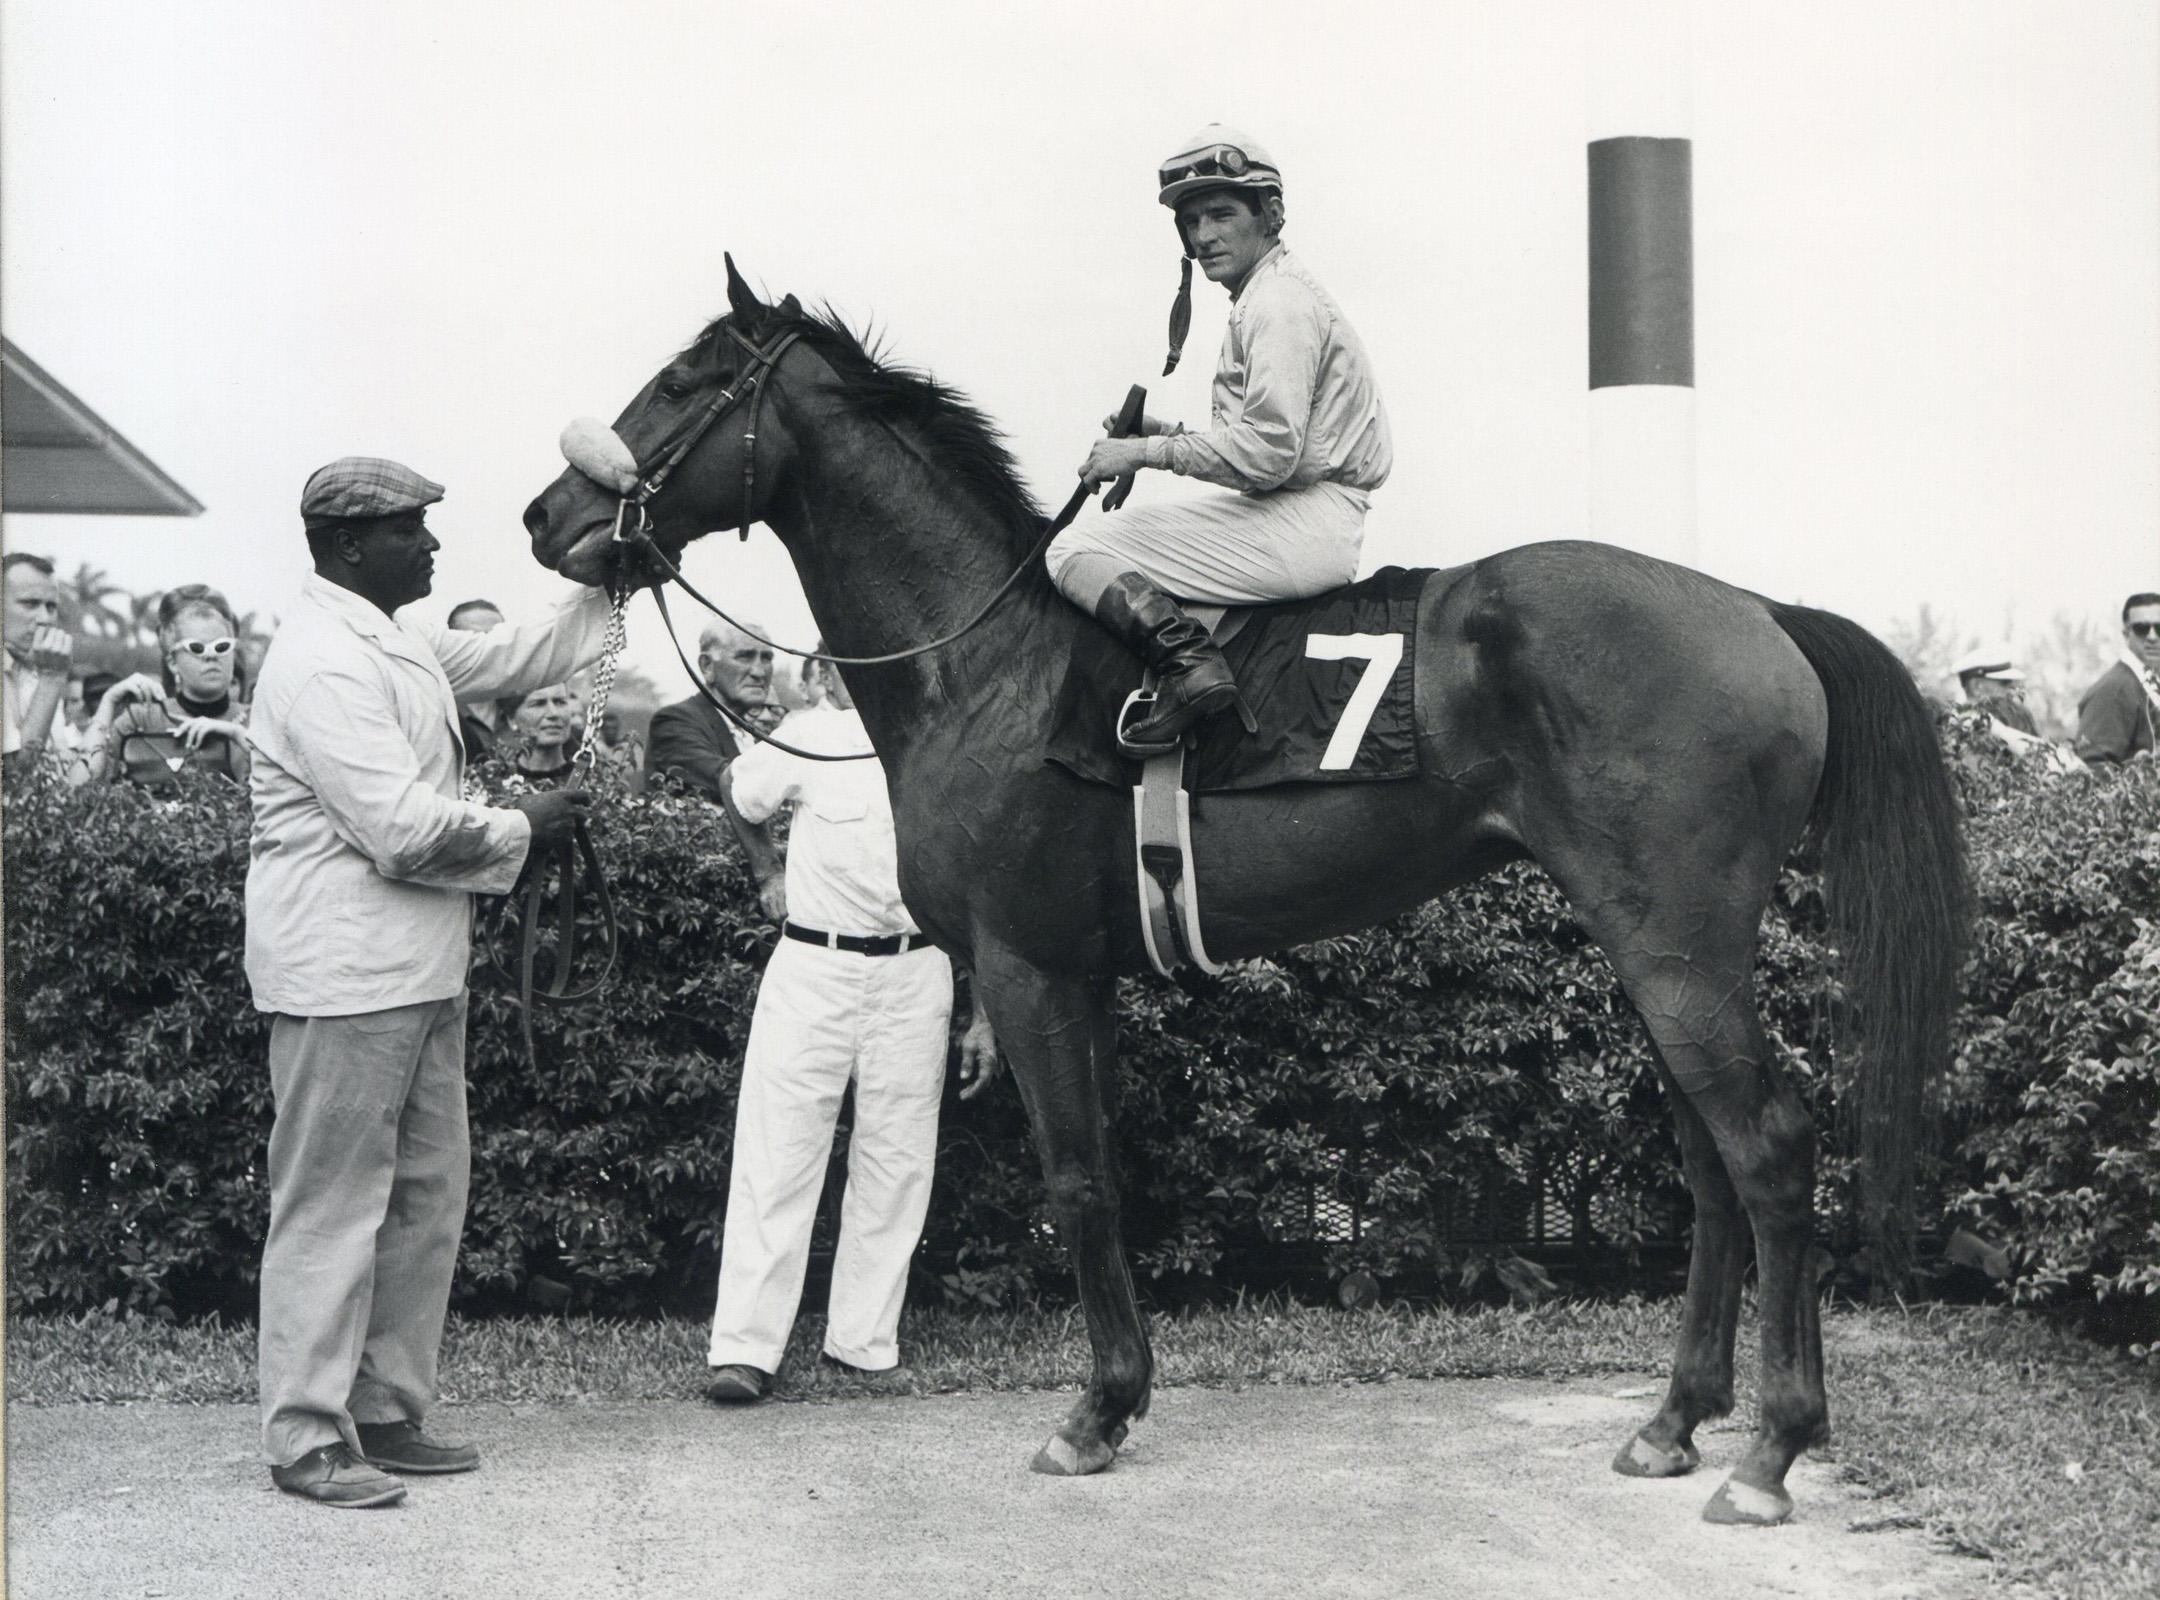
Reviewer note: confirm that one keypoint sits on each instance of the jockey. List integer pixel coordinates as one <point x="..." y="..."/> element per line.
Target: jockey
<point x="1298" y="433"/>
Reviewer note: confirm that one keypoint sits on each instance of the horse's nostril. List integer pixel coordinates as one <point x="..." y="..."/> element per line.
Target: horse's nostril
<point x="536" y="519"/>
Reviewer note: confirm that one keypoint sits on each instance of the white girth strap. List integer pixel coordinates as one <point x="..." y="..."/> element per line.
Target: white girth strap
<point x="1162" y="839"/>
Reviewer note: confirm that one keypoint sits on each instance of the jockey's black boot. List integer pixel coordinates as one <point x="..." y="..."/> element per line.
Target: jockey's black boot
<point x="1193" y="681"/>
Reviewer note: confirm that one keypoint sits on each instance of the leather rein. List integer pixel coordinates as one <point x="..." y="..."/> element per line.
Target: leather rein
<point x="576" y="857"/>
<point x="637" y="536"/>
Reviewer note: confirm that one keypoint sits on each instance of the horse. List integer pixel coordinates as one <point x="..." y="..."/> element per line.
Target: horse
<point x="1657" y="741"/>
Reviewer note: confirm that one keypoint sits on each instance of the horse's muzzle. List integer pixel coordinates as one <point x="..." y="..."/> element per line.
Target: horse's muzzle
<point x="572" y="523"/>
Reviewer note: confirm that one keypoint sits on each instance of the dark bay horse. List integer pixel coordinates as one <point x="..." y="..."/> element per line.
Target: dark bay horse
<point x="1657" y="741"/>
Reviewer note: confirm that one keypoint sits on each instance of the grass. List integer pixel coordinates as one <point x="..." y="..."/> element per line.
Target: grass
<point x="2004" y="1436"/>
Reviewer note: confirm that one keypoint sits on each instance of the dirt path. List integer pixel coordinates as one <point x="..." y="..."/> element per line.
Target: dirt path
<point x="1446" y="1488"/>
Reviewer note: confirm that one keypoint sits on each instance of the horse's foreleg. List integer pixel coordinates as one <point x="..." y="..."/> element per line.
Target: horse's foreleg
<point x="1700" y="1010"/>
<point x="1702" y="1375"/>
<point x="1059" y="1035"/>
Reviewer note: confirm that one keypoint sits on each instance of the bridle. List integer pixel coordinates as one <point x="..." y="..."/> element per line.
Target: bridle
<point x="749" y="384"/>
<point x="634" y="533"/>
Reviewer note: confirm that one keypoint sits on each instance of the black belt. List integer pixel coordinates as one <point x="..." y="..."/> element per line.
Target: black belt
<point x="887" y="944"/>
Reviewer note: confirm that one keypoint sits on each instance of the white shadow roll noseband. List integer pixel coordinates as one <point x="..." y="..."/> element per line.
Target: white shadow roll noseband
<point x="598" y="451"/>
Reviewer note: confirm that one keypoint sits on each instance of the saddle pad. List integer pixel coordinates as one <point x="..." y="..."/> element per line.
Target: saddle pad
<point x="1328" y="679"/>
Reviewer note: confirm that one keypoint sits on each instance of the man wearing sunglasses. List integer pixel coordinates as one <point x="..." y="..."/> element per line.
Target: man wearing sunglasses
<point x="2120" y="714"/>
<point x="1298" y="434"/>
<point x="362" y="868"/>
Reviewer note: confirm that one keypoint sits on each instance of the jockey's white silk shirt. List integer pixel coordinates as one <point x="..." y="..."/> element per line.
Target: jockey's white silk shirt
<point x="364" y="860"/>
<point x="843" y="870"/>
<point x="1294" y="399"/>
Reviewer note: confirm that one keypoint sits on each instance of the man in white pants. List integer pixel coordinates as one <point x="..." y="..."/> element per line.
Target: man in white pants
<point x="853" y="992"/>
<point x="1298" y="432"/>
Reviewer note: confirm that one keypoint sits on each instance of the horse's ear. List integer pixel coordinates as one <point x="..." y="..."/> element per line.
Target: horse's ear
<point x="790" y="309"/>
<point x="742" y="299"/>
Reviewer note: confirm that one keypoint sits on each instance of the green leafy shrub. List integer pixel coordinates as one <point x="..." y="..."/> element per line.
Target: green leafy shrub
<point x="2055" y="1096"/>
<point x="1403" y="1097"/>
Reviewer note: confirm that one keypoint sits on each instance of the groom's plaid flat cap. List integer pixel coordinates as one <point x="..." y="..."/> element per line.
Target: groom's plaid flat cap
<point x="365" y="486"/>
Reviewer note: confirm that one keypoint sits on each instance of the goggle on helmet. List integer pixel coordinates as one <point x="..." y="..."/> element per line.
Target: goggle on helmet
<point x="1216" y="158"/>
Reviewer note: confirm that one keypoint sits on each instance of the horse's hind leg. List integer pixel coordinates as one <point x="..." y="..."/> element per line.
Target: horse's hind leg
<point x="1702" y="1375"/>
<point x="1058" y="1033"/>
<point x="1694" y="990"/>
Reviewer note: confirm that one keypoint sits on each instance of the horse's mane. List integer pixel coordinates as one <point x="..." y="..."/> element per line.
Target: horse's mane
<point x="944" y="422"/>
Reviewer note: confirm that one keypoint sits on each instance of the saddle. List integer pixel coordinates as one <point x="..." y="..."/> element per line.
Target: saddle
<point x="1329" y="682"/>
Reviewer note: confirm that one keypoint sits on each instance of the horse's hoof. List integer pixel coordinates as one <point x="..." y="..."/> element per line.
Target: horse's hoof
<point x="1061" y="1458"/>
<point x="1743" y="1505"/>
<point x="1640" y="1458"/>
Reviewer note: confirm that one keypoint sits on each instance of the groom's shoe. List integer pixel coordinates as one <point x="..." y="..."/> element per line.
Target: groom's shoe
<point x="402" y="1447"/>
<point x="331" y="1475"/>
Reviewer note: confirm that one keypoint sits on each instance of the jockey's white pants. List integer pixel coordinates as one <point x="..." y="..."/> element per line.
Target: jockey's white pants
<point x="824" y="1017"/>
<point x="1229" y="549"/>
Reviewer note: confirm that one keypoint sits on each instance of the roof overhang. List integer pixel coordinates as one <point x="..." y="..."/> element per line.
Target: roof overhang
<point x="56" y="454"/>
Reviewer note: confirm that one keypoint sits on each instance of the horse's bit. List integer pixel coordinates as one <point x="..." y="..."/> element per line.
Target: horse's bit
<point x="600" y="453"/>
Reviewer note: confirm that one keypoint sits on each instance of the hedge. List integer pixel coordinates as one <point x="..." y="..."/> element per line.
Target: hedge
<point x="1415" y="1100"/>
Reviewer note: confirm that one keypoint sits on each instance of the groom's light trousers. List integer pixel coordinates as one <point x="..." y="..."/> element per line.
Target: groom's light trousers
<point x="369" y="1165"/>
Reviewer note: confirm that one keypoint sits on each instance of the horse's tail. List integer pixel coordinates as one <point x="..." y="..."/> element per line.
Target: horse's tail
<point x="1900" y="906"/>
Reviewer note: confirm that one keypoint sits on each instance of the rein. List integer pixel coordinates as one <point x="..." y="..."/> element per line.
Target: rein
<point x="637" y="536"/>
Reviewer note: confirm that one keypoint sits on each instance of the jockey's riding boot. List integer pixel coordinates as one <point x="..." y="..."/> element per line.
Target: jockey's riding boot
<point x="1193" y="681"/>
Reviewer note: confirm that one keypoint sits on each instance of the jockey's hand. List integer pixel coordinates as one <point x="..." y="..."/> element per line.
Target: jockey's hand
<point x="1148" y="429"/>
<point x="1110" y="459"/>
<point x="979" y="1059"/>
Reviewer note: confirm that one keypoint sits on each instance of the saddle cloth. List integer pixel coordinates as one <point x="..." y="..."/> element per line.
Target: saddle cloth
<point x="1329" y="680"/>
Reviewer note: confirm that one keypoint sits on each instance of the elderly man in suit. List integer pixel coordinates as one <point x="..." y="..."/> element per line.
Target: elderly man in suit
<point x="693" y="741"/>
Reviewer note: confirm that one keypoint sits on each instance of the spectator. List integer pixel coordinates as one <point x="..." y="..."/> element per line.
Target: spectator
<point x="39" y="651"/>
<point x="85" y="694"/>
<point x="1990" y="680"/>
<point x="477" y="724"/>
<point x="541" y="735"/>
<point x="618" y="741"/>
<point x="855" y="993"/>
<point x="695" y="742"/>
<point x="2117" y="717"/>
<point x="194" y="716"/>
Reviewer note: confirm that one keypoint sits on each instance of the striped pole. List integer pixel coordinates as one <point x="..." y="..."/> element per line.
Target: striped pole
<point x="1642" y="278"/>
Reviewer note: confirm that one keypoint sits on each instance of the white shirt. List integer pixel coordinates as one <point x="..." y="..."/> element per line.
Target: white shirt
<point x="1294" y="399"/>
<point x="843" y="872"/>
<point x="364" y="860"/>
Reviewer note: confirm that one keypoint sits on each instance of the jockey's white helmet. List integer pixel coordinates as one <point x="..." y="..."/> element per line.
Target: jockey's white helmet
<point x="1217" y="157"/>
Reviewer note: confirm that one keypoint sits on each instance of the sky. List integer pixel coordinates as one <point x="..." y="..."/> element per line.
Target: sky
<point x="256" y="236"/>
